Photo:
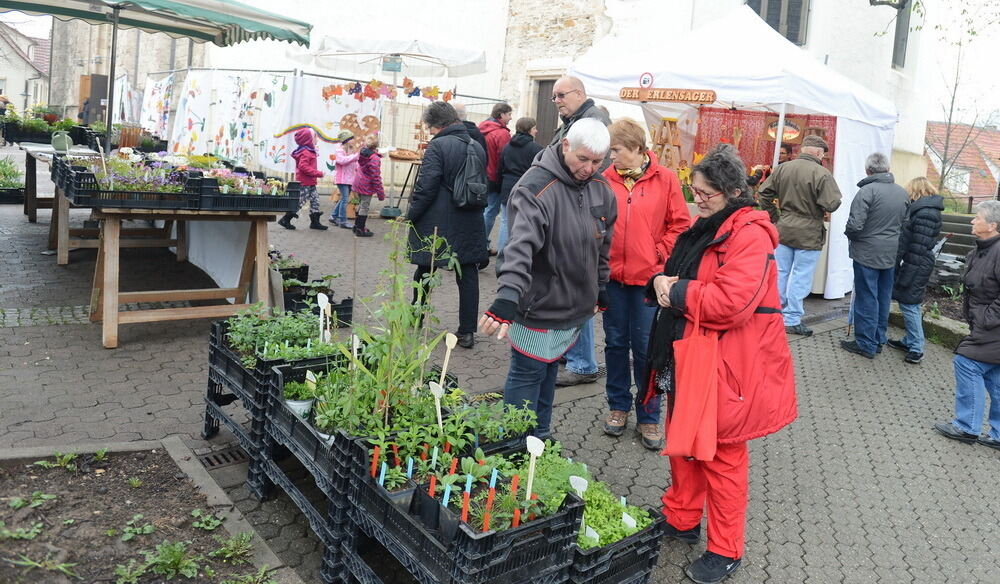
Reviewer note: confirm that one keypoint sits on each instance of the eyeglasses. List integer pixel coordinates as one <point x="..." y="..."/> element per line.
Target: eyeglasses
<point x="702" y="195"/>
<point x="561" y="96"/>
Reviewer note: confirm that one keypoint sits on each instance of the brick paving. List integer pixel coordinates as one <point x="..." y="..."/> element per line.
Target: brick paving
<point x="857" y="490"/>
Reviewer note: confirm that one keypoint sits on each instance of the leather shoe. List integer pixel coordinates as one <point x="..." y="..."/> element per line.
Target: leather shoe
<point x="989" y="442"/>
<point x="689" y="536"/>
<point x="466" y="340"/>
<point x="852" y="347"/>
<point x="799" y="329"/>
<point x="898" y="345"/>
<point x="567" y="378"/>
<point x="948" y="430"/>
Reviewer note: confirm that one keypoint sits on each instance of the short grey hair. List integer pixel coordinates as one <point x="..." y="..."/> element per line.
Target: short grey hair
<point x="589" y="134"/>
<point x="990" y="211"/>
<point x="460" y="110"/>
<point x="876" y="163"/>
<point x="439" y="114"/>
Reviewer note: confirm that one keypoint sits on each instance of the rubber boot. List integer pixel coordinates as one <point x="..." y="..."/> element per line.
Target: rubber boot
<point x="359" y="226"/>
<point x="286" y="221"/>
<point x="314" y="222"/>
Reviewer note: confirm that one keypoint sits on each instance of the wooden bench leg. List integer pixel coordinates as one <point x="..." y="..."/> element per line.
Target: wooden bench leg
<point x="111" y="229"/>
<point x="60" y="218"/>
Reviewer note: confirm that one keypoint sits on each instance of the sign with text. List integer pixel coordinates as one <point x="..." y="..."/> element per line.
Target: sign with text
<point x="661" y="94"/>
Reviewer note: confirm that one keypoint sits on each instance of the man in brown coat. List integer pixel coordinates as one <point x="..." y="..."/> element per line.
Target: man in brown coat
<point x="806" y="193"/>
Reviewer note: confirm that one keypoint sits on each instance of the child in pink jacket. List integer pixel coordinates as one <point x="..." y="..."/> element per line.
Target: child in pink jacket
<point x="368" y="182"/>
<point x="306" y="173"/>
<point x="346" y="160"/>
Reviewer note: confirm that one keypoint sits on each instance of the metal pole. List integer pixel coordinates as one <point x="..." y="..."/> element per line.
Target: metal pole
<point x="779" y="134"/>
<point x="395" y="120"/>
<point x="111" y="79"/>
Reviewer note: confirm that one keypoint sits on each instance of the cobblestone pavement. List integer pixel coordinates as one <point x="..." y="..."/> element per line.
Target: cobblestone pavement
<point x="857" y="490"/>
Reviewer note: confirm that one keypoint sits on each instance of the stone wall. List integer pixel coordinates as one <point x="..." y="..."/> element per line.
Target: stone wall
<point x="546" y="34"/>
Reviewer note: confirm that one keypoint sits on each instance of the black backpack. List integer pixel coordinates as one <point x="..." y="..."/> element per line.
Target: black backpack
<point x="469" y="189"/>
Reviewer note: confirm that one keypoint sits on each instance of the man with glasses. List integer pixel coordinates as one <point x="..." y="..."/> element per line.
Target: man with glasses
<point x="806" y="193"/>
<point x="570" y="97"/>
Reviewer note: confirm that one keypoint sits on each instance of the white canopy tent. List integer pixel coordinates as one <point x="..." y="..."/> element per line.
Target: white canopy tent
<point x="751" y="66"/>
<point x="419" y="58"/>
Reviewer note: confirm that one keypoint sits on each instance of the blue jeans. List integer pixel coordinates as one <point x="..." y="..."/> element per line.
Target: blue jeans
<point x="627" y="323"/>
<point x="914" y="324"/>
<point x="795" y="280"/>
<point x="534" y="381"/>
<point x="490" y="212"/>
<point x="502" y="237"/>
<point x="973" y="380"/>
<point x="340" y="209"/>
<point x="581" y="357"/>
<point x="872" y="297"/>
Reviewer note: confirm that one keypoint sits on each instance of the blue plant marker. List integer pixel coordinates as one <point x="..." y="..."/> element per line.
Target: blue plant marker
<point x="447" y="495"/>
<point x="500" y="428"/>
<point x="468" y="483"/>
<point x="434" y="458"/>
<point x="624" y="504"/>
<point x="409" y="467"/>
<point x="381" y="474"/>
<point x="493" y="479"/>
<point x="475" y="442"/>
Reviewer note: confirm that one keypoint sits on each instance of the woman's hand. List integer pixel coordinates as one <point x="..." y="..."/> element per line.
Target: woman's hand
<point x="662" y="286"/>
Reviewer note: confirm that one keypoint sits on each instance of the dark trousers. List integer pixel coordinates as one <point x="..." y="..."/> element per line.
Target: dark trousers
<point x="627" y="322"/>
<point x="872" y="297"/>
<point x="533" y="381"/>
<point x="468" y="295"/>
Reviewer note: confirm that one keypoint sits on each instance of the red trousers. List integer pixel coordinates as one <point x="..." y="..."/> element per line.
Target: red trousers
<point x="723" y="484"/>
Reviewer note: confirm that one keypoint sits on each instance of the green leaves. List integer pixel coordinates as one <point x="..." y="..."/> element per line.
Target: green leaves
<point x="132" y="528"/>
<point x="36" y="500"/>
<point x="206" y="521"/>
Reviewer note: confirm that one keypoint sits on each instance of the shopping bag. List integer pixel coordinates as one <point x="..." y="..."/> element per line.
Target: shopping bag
<point x="693" y="427"/>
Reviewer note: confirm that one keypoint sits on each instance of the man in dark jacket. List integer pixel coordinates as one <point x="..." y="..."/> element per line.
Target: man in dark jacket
<point x="431" y="208"/>
<point x="806" y="192"/>
<point x="515" y="160"/>
<point x="977" y="358"/>
<point x="873" y="228"/>
<point x="497" y="135"/>
<point x="570" y="97"/>
<point x="554" y="269"/>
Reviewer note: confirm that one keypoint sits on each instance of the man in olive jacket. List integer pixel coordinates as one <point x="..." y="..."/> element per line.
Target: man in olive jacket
<point x="877" y="214"/>
<point x="806" y="193"/>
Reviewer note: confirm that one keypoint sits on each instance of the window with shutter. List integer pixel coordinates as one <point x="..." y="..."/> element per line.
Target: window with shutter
<point x="788" y="17"/>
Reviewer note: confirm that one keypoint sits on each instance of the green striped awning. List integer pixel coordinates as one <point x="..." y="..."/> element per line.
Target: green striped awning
<point x="222" y="22"/>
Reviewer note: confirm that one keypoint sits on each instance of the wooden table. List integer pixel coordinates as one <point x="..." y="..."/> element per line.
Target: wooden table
<point x="106" y="296"/>
<point x="44" y="152"/>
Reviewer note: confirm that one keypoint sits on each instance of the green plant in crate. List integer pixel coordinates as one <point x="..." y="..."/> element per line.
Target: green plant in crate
<point x="10" y="174"/>
<point x="64" y="125"/>
<point x="99" y="127"/>
<point x="35" y="125"/>
<point x="299" y="391"/>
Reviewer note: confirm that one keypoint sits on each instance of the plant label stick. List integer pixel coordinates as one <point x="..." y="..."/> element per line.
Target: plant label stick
<point x="465" y="498"/>
<point x="430" y="490"/>
<point x="450" y="341"/>
<point x="513" y="493"/>
<point x="434" y="458"/>
<point x="535" y="448"/>
<point x="409" y="467"/>
<point x="327" y="335"/>
<point x="395" y="454"/>
<point x="580" y="485"/>
<point x="378" y="449"/>
<point x="447" y="495"/>
<point x="454" y="465"/>
<point x="323" y="300"/>
<point x="381" y="475"/>
<point x="628" y="521"/>
<point x="311" y="380"/>
<point x="438" y="392"/>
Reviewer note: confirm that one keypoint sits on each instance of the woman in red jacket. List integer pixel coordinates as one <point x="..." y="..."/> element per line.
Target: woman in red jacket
<point x="723" y="266"/>
<point x="651" y="214"/>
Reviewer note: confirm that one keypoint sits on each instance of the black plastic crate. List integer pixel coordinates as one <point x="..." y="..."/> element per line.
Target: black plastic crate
<point x="83" y="189"/>
<point x="629" y="560"/>
<point x="331" y="528"/>
<point x="343" y="311"/>
<point x="14" y="196"/>
<point x="300" y="273"/>
<point x="213" y="199"/>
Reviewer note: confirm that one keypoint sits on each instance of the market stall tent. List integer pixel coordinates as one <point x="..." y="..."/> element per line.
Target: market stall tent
<point x="751" y="66"/>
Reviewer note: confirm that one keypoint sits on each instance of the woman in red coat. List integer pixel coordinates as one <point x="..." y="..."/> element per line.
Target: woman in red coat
<point x="723" y="266"/>
<point x="651" y="214"/>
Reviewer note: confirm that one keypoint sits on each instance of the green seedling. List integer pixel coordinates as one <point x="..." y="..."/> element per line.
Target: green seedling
<point x="129" y="574"/>
<point x="100" y="455"/>
<point x="111" y="532"/>
<point x="262" y="576"/>
<point x="69" y="521"/>
<point x="61" y="461"/>
<point x="47" y="564"/>
<point x="20" y="532"/>
<point x="134" y="482"/>
<point x="37" y="499"/>
<point x="235" y="549"/>
<point x="206" y="521"/>
<point x="132" y="528"/>
<point x="395" y="477"/>
<point x="172" y="559"/>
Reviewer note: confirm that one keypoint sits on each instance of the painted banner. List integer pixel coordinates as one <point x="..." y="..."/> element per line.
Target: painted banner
<point x="233" y="115"/>
<point x="156" y="103"/>
<point x="128" y="103"/>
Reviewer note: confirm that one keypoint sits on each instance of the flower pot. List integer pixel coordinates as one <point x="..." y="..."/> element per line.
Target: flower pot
<point x="51" y="118"/>
<point x="301" y="407"/>
<point x="352" y="211"/>
<point x="328" y="438"/>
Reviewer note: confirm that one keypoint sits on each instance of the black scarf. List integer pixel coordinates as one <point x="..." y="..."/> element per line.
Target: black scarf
<point x="684" y="262"/>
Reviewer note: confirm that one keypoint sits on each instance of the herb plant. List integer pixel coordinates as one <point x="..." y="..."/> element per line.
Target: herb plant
<point x="171" y="559"/>
<point x="206" y="521"/>
<point x="235" y="549"/>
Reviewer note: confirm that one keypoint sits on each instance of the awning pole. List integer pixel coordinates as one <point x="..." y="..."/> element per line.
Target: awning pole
<point x="779" y="134"/>
<point x="111" y="80"/>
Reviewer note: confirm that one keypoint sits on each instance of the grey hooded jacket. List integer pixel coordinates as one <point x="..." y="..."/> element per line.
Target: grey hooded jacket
<point x="876" y="220"/>
<point x="556" y="257"/>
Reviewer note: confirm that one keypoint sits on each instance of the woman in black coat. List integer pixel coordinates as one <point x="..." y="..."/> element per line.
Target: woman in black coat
<point x="431" y="207"/>
<point x="515" y="160"/>
<point x="915" y="262"/>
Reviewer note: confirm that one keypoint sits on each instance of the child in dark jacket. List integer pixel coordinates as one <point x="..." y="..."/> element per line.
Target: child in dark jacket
<point x="306" y="173"/>
<point x="368" y="183"/>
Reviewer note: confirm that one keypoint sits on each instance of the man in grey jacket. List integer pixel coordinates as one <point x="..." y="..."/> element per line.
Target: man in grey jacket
<point x="873" y="229"/>
<point x="552" y="273"/>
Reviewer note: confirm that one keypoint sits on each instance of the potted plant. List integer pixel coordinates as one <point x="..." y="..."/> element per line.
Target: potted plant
<point x="11" y="183"/>
<point x="299" y="396"/>
<point x="289" y="266"/>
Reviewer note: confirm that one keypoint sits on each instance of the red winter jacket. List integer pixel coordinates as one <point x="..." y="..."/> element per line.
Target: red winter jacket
<point x="649" y="220"/>
<point x="497" y="135"/>
<point x="737" y="285"/>
<point x="305" y="159"/>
